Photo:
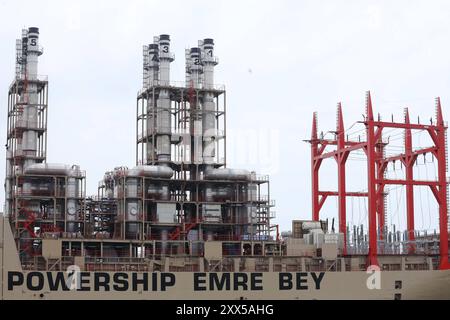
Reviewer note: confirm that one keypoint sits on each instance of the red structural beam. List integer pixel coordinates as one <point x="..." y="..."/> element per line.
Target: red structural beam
<point x="408" y="160"/>
<point x="348" y="194"/>
<point x="376" y="167"/>
<point x="341" y="159"/>
<point x="416" y="153"/>
<point x="442" y="177"/>
<point x="335" y="142"/>
<point x="331" y="154"/>
<point x="384" y="124"/>
<point x="409" y="182"/>
<point x="372" y="187"/>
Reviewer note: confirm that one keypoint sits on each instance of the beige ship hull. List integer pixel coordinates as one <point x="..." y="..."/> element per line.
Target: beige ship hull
<point x="19" y="284"/>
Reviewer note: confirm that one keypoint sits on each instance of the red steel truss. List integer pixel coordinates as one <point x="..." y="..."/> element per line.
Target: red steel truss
<point x="377" y="163"/>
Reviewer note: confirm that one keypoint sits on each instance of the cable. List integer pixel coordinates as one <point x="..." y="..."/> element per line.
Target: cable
<point x="420" y="196"/>
<point x="351" y="199"/>
<point x="428" y="199"/>
<point x="399" y="199"/>
<point x="359" y="211"/>
<point x="365" y="211"/>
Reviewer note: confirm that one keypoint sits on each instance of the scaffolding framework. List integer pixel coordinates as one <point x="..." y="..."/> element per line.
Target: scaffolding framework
<point x="184" y="110"/>
<point x="17" y="124"/>
<point x="377" y="163"/>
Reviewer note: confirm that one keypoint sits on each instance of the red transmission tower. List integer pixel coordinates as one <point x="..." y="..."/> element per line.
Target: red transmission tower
<point x="377" y="163"/>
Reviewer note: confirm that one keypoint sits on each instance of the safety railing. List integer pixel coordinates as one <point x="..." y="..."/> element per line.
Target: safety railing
<point x="24" y="124"/>
<point x="161" y="130"/>
<point x="181" y="84"/>
<point x="266" y="198"/>
<point x="259" y="177"/>
<point x="47" y="193"/>
<point x="42" y="78"/>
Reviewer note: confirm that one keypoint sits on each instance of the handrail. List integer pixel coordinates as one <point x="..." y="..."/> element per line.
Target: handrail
<point x="181" y="84"/>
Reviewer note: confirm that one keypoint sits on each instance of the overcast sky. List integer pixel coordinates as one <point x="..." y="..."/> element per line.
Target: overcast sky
<point x="279" y="60"/>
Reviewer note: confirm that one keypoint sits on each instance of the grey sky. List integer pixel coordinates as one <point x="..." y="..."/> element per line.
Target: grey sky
<point x="279" y="60"/>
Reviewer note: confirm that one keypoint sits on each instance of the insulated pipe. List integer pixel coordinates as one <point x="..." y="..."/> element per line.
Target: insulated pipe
<point x="153" y="65"/>
<point x="29" y="137"/>
<point x="209" y="128"/>
<point x="188" y="62"/>
<point x="9" y="175"/>
<point x="145" y="67"/>
<point x="163" y="115"/>
<point x="151" y="77"/>
<point x="33" y="52"/>
<point x="208" y="62"/>
<point x="165" y="58"/>
<point x="195" y="69"/>
<point x="53" y="168"/>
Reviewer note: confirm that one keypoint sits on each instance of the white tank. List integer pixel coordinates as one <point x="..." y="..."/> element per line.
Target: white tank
<point x="53" y="168"/>
<point x="226" y="174"/>
<point x="151" y="171"/>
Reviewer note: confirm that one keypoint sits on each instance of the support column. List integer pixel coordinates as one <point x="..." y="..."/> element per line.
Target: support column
<point x="408" y="161"/>
<point x="341" y="159"/>
<point x="315" y="164"/>
<point x="443" y="205"/>
<point x="372" y="197"/>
